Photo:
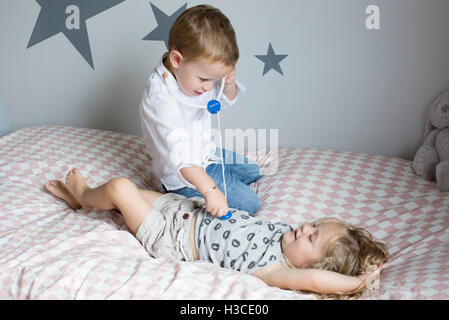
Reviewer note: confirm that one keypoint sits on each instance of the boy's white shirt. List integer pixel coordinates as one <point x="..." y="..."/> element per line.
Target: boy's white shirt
<point x="177" y="135"/>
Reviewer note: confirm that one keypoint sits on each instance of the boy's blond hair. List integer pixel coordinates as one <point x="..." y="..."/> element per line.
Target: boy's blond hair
<point x="204" y="32"/>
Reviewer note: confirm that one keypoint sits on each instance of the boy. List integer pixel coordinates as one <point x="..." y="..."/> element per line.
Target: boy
<point x="202" y="51"/>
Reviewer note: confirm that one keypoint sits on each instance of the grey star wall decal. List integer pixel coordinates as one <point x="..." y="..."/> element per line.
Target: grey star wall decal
<point x="68" y="17"/>
<point x="164" y="23"/>
<point x="271" y="60"/>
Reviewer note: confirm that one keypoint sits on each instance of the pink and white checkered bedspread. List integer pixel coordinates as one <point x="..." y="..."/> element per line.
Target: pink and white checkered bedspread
<point x="48" y="251"/>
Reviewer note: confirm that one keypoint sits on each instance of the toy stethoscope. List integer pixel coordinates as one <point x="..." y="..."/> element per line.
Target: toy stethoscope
<point x="213" y="106"/>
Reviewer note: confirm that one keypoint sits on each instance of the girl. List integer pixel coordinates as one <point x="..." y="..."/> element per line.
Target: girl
<point x="327" y="256"/>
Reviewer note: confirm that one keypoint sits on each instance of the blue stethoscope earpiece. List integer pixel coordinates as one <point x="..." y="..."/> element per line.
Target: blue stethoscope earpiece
<point x="213" y="106"/>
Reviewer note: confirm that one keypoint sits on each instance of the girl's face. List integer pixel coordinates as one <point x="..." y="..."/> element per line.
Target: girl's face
<point x="308" y="244"/>
<point x="198" y="76"/>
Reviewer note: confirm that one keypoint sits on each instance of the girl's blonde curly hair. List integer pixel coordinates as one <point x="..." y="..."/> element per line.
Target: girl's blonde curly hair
<point x="353" y="252"/>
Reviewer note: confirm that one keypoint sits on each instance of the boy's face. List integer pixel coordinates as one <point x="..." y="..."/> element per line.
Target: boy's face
<point x="198" y="76"/>
<point x="308" y="244"/>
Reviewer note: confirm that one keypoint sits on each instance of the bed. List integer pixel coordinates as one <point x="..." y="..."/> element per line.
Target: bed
<point x="48" y="251"/>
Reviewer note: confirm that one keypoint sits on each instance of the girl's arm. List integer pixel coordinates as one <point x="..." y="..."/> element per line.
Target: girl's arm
<point x="320" y="281"/>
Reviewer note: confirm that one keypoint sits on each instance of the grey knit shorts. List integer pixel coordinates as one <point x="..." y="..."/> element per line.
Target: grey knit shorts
<point x="165" y="231"/>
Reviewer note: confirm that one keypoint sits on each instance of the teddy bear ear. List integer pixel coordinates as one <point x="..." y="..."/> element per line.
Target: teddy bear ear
<point x="439" y="113"/>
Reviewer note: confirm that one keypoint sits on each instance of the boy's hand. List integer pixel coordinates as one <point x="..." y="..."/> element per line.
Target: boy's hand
<point x="230" y="87"/>
<point x="216" y="203"/>
<point x="230" y="78"/>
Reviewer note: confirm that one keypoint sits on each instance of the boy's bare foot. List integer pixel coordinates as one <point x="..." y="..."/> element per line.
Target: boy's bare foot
<point x="58" y="189"/>
<point x="76" y="184"/>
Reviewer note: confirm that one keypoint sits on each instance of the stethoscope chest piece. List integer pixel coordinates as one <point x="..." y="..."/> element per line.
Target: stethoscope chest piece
<point x="227" y="216"/>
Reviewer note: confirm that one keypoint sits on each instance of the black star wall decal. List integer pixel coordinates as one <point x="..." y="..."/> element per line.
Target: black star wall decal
<point x="271" y="60"/>
<point x="164" y="23"/>
<point x="68" y="17"/>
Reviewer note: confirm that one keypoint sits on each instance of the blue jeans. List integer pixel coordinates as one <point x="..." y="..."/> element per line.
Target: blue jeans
<point x="239" y="174"/>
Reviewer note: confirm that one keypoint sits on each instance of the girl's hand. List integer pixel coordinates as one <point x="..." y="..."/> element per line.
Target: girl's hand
<point x="216" y="203"/>
<point x="375" y="270"/>
<point x="371" y="275"/>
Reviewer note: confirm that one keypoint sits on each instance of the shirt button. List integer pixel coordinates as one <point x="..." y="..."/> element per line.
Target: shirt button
<point x="185" y="216"/>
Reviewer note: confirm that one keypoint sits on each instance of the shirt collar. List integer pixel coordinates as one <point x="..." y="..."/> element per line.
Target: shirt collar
<point x="161" y="69"/>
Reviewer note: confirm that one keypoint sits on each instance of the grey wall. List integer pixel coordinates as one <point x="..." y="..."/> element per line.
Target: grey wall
<point x="344" y="86"/>
<point x="5" y="125"/>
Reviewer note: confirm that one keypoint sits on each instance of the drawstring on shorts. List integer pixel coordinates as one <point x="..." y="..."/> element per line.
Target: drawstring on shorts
<point x="179" y="240"/>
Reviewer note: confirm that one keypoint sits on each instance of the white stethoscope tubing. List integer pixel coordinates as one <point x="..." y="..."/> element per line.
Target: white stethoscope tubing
<point x="222" y="159"/>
